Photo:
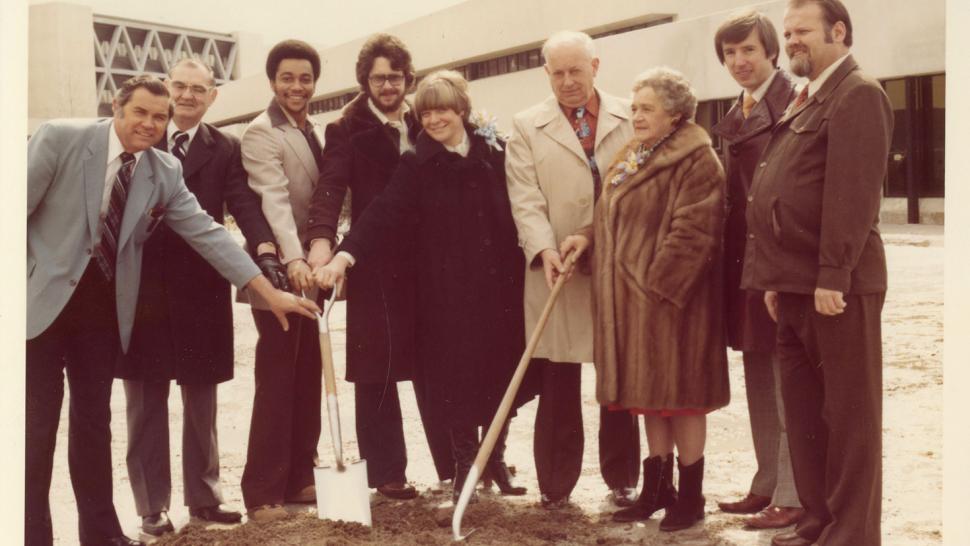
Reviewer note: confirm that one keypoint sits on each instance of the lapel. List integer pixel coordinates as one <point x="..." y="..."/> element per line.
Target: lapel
<point x="142" y="189"/>
<point x="200" y="152"/>
<point x="551" y="121"/>
<point x="736" y="129"/>
<point x="612" y="114"/>
<point x="94" y="164"/>
<point x="820" y="96"/>
<point x="294" y="138"/>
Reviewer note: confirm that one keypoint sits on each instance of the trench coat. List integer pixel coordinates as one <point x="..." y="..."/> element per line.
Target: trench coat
<point x="551" y="191"/>
<point x="657" y="284"/>
<point x="469" y="326"/>
<point x="359" y="157"/>
<point x="749" y="327"/>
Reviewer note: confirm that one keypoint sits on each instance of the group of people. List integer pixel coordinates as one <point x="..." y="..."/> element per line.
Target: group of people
<point x="457" y="236"/>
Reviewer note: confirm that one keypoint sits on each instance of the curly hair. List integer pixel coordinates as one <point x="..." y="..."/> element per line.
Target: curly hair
<point x="292" y="49"/>
<point x="676" y="95"/>
<point x="389" y="47"/>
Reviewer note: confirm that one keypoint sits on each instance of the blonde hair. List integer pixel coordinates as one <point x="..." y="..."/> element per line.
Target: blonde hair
<point x="443" y="89"/>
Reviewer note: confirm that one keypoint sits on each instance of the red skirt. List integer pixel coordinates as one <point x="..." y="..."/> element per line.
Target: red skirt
<point x="678" y="412"/>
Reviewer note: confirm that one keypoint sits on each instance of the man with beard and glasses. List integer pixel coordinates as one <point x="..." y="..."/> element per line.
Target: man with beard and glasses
<point x="361" y="152"/>
<point x="814" y="248"/>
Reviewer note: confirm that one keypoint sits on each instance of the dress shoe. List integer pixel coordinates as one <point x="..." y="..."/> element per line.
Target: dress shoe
<point x="156" y="525"/>
<point x="502" y="474"/>
<point x="790" y="539"/>
<point x="123" y="541"/>
<point x="623" y="496"/>
<point x="751" y="504"/>
<point x="216" y="514"/>
<point x="398" y="490"/>
<point x="307" y="495"/>
<point x="775" y="517"/>
<point x="266" y="513"/>
<point x="550" y="503"/>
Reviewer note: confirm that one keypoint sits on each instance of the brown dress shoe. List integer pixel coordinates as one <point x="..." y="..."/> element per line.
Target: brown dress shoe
<point x="790" y="539"/>
<point x="775" y="517"/>
<point x="267" y="513"/>
<point x="751" y="504"/>
<point x="398" y="490"/>
<point x="307" y="495"/>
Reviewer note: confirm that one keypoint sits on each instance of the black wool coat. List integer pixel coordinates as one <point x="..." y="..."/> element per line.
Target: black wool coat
<point x="360" y="155"/>
<point x="469" y="314"/>
<point x="183" y="318"/>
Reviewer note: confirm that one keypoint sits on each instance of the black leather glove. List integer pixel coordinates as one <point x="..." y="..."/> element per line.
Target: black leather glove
<point x="273" y="270"/>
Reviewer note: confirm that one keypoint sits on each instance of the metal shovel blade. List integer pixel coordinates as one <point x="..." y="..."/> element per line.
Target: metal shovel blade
<point x="343" y="495"/>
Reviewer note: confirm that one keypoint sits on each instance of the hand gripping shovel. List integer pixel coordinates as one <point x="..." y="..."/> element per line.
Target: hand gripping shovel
<point x="342" y="492"/>
<point x="485" y="450"/>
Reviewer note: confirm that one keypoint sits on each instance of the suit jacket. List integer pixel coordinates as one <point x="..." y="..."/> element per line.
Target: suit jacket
<point x="183" y="321"/>
<point x="361" y="155"/>
<point x="66" y="164"/>
<point x="283" y="172"/>
<point x="813" y="212"/>
<point x="749" y="327"/>
<point x="551" y="191"/>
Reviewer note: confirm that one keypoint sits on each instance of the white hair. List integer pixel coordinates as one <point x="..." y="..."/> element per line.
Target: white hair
<point x="569" y="38"/>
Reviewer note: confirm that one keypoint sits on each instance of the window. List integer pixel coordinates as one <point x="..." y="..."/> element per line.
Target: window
<point x="916" y="155"/>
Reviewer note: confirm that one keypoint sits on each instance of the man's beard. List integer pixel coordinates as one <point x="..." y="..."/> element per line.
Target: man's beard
<point x="802" y="66"/>
<point x="388" y="109"/>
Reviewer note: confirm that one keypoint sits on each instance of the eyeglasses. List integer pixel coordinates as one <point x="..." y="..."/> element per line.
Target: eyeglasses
<point x="378" y="80"/>
<point x="197" y="90"/>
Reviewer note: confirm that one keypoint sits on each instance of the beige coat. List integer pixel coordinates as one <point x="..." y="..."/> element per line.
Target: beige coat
<point x="657" y="282"/>
<point x="551" y="191"/>
<point x="283" y="171"/>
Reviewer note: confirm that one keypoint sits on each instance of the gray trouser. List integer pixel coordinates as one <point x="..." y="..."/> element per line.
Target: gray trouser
<point x="149" y="469"/>
<point x="767" y="412"/>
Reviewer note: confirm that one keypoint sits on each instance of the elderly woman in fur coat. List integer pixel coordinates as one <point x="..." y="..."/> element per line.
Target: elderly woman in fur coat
<point x="655" y="242"/>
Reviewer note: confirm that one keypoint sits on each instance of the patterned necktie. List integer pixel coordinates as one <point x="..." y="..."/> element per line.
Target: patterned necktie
<point x="178" y="147"/>
<point x="801" y="98"/>
<point x="107" y="250"/>
<point x="583" y="133"/>
<point x="747" y="105"/>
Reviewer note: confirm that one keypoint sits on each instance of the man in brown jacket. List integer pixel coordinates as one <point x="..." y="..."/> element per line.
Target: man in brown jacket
<point x="814" y="247"/>
<point x="747" y="45"/>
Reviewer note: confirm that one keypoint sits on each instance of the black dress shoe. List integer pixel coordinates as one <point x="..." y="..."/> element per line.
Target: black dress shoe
<point x="155" y="525"/>
<point x="123" y="541"/>
<point x="216" y="514"/>
<point x="398" y="490"/>
<point x="550" y="503"/>
<point x="623" y="496"/>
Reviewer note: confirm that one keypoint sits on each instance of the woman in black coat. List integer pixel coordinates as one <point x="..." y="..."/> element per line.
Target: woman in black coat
<point x="448" y="197"/>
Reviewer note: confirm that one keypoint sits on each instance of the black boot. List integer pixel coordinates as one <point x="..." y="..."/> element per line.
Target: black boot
<point x="689" y="508"/>
<point x="464" y="446"/>
<point x="496" y="470"/>
<point x="658" y="490"/>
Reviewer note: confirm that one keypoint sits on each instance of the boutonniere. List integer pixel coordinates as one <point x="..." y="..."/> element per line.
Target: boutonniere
<point x="157" y="211"/>
<point x="485" y="127"/>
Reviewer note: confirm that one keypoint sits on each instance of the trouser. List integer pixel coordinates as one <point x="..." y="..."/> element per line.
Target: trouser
<point x="831" y="380"/>
<point x="380" y="434"/>
<point x="84" y="341"/>
<point x="285" y="427"/>
<point x="149" y="468"/>
<point x="766" y="410"/>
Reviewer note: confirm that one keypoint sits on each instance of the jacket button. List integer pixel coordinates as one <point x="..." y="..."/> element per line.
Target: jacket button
<point x="473" y="184"/>
<point x="73" y="282"/>
<point x="751" y="236"/>
<point x="763" y="164"/>
<point x="87" y="251"/>
<point x="750" y="199"/>
<point x="491" y="271"/>
<point x="487" y="241"/>
<point x="733" y="149"/>
<point x="481" y="214"/>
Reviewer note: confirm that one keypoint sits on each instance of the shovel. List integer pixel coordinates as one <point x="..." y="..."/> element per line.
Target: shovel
<point x="485" y="450"/>
<point x="342" y="491"/>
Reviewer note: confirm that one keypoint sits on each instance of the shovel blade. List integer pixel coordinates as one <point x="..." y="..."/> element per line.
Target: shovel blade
<point x="343" y="495"/>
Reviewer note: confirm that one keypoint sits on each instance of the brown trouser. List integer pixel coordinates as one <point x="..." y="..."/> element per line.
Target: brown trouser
<point x="831" y="380"/>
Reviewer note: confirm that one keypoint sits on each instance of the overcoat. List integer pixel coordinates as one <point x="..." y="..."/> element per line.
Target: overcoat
<point x="749" y="327"/>
<point x="360" y="155"/>
<point x="469" y="326"/>
<point x="183" y="320"/>
<point x="551" y="191"/>
<point x="657" y="284"/>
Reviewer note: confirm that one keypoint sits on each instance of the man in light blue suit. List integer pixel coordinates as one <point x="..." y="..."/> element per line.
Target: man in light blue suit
<point x="95" y="192"/>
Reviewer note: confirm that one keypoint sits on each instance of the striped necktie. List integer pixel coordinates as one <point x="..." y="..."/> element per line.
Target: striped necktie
<point x="107" y="250"/>
<point x="179" y="145"/>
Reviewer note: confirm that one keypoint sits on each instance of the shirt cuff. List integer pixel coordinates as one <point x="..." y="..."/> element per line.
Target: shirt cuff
<point x="347" y="256"/>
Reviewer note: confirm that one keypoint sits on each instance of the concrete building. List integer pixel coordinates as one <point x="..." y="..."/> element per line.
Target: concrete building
<point x="495" y="43"/>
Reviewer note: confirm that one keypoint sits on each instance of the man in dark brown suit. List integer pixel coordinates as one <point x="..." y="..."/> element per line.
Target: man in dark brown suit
<point x="747" y="45"/>
<point x="814" y="247"/>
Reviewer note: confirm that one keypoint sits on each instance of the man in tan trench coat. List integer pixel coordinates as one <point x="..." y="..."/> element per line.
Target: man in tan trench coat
<point x="553" y="162"/>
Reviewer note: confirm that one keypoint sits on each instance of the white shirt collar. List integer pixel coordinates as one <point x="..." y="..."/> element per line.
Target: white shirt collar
<point x="762" y="89"/>
<point x="115" y="148"/>
<point x="172" y="129"/>
<point x="462" y="147"/>
<point x="817" y="83"/>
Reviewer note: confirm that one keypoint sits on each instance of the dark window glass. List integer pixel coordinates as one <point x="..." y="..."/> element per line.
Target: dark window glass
<point x="934" y="135"/>
<point x="896" y="172"/>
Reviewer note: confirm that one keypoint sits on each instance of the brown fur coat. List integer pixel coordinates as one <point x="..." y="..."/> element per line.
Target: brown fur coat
<point x="657" y="290"/>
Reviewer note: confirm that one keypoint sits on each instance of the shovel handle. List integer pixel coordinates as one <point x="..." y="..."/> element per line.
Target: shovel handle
<point x="330" y="380"/>
<point x="502" y="414"/>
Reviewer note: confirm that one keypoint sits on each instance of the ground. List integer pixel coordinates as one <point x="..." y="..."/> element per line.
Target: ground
<point x="912" y="425"/>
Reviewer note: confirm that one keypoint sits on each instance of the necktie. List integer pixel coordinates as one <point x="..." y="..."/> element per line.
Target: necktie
<point x="746" y="105"/>
<point x="178" y="147"/>
<point x="801" y="98"/>
<point x="584" y="134"/>
<point x="107" y="250"/>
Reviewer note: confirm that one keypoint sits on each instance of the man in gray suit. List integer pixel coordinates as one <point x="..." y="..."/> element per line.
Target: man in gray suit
<point x="95" y="193"/>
